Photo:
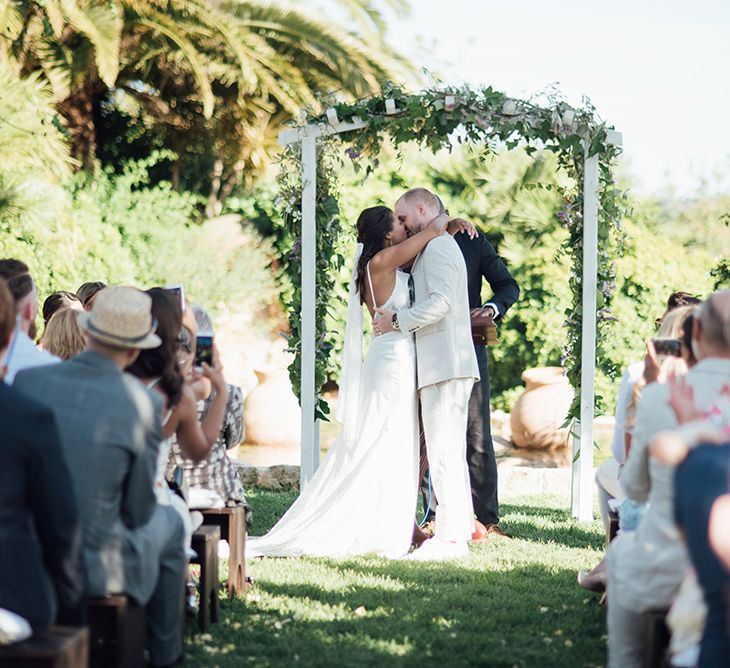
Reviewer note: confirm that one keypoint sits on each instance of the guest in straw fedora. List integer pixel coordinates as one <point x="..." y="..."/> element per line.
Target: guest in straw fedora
<point x="110" y="427"/>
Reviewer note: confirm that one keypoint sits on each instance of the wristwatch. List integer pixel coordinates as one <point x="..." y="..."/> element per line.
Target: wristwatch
<point x="394" y="322"/>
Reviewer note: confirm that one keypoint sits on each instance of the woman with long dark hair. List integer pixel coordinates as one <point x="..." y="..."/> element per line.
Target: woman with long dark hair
<point x="363" y="497"/>
<point x="158" y="368"/>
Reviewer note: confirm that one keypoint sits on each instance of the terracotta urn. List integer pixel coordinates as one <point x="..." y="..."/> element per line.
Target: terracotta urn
<point x="271" y="411"/>
<point x="541" y="410"/>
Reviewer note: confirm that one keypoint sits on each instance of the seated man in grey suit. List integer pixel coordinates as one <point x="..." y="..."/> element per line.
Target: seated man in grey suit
<point x="111" y="427"/>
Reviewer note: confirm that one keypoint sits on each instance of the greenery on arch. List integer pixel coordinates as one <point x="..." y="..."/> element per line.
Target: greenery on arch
<point x="440" y="119"/>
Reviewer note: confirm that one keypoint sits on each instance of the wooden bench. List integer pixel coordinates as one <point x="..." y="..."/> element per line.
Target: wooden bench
<point x="205" y="544"/>
<point x="59" y="647"/>
<point x="657" y="639"/>
<point x="232" y="523"/>
<point x="117" y="626"/>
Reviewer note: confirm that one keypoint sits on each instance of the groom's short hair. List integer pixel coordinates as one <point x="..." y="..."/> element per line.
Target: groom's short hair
<point x="425" y="196"/>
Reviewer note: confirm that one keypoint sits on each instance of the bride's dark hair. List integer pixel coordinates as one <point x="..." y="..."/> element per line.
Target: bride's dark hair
<point x="372" y="226"/>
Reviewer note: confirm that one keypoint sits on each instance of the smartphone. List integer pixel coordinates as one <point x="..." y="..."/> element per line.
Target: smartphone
<point x="671" y="347"/>
<point x="203" y="349"/>
<point x="177" y="290"/>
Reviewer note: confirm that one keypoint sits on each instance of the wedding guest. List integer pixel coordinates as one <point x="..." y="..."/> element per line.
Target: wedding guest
<point x="158" y="369"/>
<point x="702" y="479"/>
<point x="216" y="473"/>
<point x="646" y="566"/>
<point x="686" y="341"/>
<point x="22" y="353"/>
<point x="111" y="428"/>
<point x="87" y="293"/>
<point x="58" y="300"/>
<point x="607" y="474"/>
<point x="40" y="578"/>
<point x="62" y="336"/>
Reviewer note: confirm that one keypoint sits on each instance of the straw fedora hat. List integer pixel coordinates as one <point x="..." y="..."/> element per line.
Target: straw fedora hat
<point x="121" y="317"/>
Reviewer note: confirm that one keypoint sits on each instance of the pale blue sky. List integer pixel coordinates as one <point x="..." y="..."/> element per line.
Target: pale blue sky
<point x="658" y="71"/>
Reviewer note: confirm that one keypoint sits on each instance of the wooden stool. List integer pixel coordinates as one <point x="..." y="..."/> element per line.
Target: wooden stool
<point x="657" y="639"/>
<point x="117" y="626"/>
<point x="232" y="523"/>
<point x="59" y="647"/>
<point x="205" y="544"/>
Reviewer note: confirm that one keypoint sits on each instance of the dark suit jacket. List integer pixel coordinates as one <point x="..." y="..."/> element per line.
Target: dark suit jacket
<point x="111" y="428"/>
<point x="482" y="261"/>
<point x="39" y="529"/>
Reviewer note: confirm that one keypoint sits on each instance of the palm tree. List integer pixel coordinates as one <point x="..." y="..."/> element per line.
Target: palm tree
<point x="256" y="55"/>
<point x="33" y="153"/>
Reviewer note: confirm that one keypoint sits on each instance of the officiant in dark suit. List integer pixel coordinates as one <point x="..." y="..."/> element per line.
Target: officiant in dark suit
<point x="482" y="263"/>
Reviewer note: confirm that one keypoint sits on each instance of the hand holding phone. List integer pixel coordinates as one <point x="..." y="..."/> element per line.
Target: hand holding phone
<point x="670" y="347"/>
<point x="204" y="350"/>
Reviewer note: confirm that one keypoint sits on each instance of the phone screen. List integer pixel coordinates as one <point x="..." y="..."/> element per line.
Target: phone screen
<point x="203" y="350"/>
<point x="671" y="347"/>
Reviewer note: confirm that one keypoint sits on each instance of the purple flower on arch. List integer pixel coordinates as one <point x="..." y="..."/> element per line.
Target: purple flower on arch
<point x="294" y="253"/>
<point x="352" y="153"/>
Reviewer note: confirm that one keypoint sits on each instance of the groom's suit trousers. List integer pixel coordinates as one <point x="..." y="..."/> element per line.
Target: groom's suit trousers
<point x="445" y="411"/>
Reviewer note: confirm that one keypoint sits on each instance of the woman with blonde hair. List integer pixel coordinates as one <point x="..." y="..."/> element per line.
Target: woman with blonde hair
<point x="63" y="336"/>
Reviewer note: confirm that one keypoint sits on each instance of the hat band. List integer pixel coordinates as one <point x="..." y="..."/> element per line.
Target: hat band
<point x="94" y="330"/>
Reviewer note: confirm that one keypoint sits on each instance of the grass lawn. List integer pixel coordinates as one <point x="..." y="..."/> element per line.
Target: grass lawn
<point x="511" y="603"/>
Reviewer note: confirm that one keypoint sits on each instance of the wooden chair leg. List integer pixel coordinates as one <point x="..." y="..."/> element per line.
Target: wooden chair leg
<point x="211" y="584"/>
<point x="237" y="558"/>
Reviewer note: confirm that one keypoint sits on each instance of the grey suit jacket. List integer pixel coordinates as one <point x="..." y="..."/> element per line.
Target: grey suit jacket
<point x="110" y="428"/>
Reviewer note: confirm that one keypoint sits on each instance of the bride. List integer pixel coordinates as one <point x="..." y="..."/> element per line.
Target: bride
<point x="363" y="497"/>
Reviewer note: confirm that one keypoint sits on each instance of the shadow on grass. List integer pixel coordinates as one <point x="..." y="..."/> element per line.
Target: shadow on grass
<point x="542" y="525"/>
<point x="405" y="614"/>
<point x="497" y="608"/>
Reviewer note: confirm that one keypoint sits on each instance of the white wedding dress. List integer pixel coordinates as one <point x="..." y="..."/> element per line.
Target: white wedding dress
<point x="362" y="499"/>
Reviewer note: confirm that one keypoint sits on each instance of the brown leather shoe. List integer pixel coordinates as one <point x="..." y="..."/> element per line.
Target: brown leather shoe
<point x="419" y="536"/>
<point x="495" y="530"/>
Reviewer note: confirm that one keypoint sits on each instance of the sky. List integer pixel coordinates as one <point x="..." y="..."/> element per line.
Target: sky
<point x="657" y="71"/>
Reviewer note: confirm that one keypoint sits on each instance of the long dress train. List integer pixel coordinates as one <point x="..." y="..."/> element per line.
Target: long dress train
<point x="362" y="499"/>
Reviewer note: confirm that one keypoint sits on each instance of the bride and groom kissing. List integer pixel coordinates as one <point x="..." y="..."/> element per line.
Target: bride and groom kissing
<point x="363" y="497"/>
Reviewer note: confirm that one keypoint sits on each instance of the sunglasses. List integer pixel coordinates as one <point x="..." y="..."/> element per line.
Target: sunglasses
<point x="184" y="341"/>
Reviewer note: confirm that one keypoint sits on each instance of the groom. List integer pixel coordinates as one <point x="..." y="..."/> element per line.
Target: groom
<point x="447" y="369"/>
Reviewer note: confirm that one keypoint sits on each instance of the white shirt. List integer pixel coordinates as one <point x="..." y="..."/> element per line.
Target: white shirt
<point x="631" y="375"/>
<point x="24" y="354"/>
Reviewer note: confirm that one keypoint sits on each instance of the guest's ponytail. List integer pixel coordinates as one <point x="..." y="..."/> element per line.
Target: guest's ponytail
<point x="372" y="226"/>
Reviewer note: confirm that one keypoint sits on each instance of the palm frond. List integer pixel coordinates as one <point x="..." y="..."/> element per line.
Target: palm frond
<point x="188" y="50"/>
<point x="102" y="25"/>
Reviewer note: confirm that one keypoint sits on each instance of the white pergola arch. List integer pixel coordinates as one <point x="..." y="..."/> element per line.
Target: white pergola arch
<point x="582" y="473"/>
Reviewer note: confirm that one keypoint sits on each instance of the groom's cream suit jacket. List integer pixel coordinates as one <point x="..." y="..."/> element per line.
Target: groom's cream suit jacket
<point x="440" y="315"/>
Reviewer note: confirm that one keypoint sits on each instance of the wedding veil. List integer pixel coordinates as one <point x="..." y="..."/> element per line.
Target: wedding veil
<point x="349" y="395"/>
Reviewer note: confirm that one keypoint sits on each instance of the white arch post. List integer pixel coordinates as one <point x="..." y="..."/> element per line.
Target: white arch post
<point x="582" y="474"/>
